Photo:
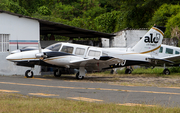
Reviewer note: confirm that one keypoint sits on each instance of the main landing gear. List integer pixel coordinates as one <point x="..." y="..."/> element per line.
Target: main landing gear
<point x="128" y="70"/>
<point x="57" y="73"/>
<point x="79" y="75"/>
<point x="166" y="71"/>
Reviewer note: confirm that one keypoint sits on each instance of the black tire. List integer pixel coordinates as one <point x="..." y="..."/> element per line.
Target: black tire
<point x="112" y="71"/>
<point x="57" y="73"/>
<point x="166" y="72"/>
<point x="29" y="74"/>
<point x="79" y="77"/>
<point x="128" y="71"/>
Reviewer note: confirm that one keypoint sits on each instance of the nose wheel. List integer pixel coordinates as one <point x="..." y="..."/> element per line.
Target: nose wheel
<point x="29" y="74"/>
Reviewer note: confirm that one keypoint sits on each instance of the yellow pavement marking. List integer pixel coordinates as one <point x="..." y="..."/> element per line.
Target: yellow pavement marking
<point x="39" y="78"/>
<point x="133" y="104"/>
<point x="85" y="99"/>
<point x="151" y="92"/>
<point x="8" y="91"/>
<point x="43" y="94"/>
<point x="26" y="77"/>
<point x="89" y="88"/>
<point x="171" y="87"/>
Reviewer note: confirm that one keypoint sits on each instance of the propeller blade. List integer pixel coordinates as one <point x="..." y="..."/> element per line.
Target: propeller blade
<point x="17" y="45"/>
<point x="40" y="55"/>
<point x="39" y="47"/>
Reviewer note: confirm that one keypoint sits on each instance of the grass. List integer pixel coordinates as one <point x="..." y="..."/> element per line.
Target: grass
<point x="139" y="77"/>
<point x="158" y="71"/>
<point x="16" y="103"/>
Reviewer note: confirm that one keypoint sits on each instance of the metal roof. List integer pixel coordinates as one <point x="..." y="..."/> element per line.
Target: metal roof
<point x="47" y="27"/>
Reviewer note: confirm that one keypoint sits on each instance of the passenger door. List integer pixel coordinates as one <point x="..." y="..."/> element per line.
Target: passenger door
<point x="93" y="53"/>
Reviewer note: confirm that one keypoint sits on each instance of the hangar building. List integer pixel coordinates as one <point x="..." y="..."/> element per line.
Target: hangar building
<point x="18" y="31"/>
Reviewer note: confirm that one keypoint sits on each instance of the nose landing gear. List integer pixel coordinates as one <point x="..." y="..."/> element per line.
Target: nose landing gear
<point x="29" y="74"/>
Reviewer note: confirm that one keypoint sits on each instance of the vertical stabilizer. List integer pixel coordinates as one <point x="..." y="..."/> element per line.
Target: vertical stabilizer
<point x="151" y="41"/>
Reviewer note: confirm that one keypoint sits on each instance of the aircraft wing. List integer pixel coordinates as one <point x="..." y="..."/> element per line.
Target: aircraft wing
<point x="95" y="64"/>
<point x="160" y="61"/>
<point x="172" y="60"/>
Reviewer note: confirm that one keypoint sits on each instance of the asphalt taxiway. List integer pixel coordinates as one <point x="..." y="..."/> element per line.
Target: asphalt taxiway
<point x="91" y="91"/>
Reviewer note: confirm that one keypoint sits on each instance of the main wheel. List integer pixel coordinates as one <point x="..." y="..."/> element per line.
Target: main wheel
<point x="166" y="72"/>
<point x="57" y="73"/>
<point x="29" y="74"/>
<point x="128" y="71"/>
<point x="79" y="77"/>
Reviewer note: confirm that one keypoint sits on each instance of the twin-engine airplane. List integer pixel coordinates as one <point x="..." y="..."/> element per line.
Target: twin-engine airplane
<point x="88" y="58"/>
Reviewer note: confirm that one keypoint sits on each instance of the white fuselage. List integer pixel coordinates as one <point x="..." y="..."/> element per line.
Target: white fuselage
<point x="167" y="50"/>
<point x="78" y="52"/>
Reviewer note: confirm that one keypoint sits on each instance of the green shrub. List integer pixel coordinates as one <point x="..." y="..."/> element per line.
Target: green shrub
<point x="174" y="69"/>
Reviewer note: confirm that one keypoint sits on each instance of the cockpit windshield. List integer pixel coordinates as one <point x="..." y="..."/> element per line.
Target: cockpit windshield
<point x="54" y="47"/>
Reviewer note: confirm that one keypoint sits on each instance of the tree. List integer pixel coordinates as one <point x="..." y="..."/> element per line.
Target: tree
<point x="167" y="15"/>
<point x="107" y="22"/>
<point x="172" y="23"/>
<point x="162" y="15"/>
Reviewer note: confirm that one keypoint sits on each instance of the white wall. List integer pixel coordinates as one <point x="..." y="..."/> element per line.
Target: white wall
<point x="119" y="40"/>
<point x="26" y="31"/>
<point x="134" y="36"/>
<point x="126" y="38"/>
<point x="105" y="42"/>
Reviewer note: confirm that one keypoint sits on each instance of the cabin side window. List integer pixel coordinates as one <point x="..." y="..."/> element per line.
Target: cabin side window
<point x="94" y="53"/>
<point x="169" y="51"/>
<point x="161" y="50"/>
<point x="176" y="52"/>
<point x="80" y="51"/>
<point x="67" y="49"/>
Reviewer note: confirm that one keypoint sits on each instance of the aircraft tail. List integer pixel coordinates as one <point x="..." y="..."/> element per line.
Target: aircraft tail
<point x="150" y="42"/>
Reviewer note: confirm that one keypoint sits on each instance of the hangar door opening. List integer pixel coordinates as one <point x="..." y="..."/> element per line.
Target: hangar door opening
<point x="4" y="42"/>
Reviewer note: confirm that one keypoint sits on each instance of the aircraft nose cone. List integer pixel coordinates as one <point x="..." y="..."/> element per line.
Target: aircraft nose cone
<point x="9" y="57"/>
<point x="14" y="57"/>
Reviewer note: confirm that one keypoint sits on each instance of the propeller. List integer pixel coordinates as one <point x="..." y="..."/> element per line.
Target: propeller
<point x="17" y="45"/>
<point x="40" y="55"/>
<point x="39" y="47"/>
